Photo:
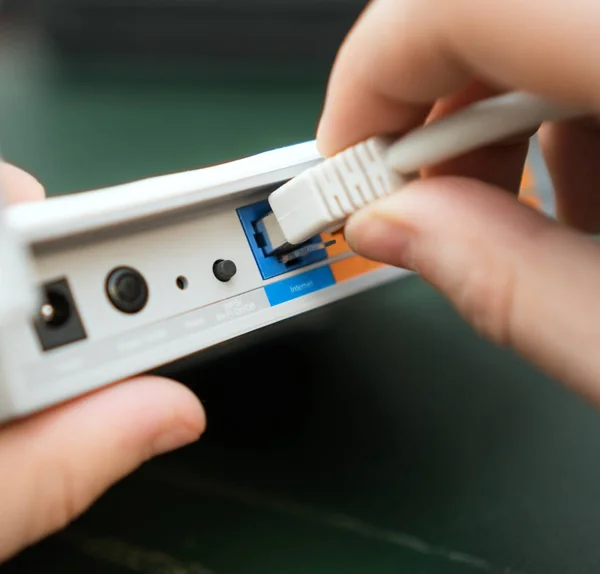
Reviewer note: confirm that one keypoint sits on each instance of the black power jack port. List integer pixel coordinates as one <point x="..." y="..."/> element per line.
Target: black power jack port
<point x="58" y="322"/>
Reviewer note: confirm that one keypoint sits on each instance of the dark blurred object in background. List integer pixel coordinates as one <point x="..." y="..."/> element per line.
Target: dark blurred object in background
<point x="282" y="32"/>
<point x="10" y="5"/>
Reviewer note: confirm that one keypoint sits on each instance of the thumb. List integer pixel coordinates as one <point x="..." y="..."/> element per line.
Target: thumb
<point x="58" y="462"/>
<point x="519" y="278"/>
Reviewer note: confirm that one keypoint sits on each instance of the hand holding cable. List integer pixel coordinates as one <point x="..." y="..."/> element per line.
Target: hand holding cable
<point x="521" y="279"/>
<point x="322" y="198"/>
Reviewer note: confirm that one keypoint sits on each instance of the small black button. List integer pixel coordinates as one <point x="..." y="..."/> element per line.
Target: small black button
<point x="224" y="269"/>
<point x="127" y="289"/>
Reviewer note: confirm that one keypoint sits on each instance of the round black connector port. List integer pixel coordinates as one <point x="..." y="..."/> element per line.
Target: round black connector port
<point x="224" y="270"/>
<point x="127" y="289"/>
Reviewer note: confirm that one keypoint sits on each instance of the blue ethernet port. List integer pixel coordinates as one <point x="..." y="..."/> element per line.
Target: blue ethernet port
<point x="269" y="265"/>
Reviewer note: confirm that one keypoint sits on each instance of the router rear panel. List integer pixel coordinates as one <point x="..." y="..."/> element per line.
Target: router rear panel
<point x="140" y="276"/>
<point x="188" y="308"/>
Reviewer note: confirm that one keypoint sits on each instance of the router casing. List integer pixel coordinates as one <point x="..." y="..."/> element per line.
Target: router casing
<point x="171" y="231"/>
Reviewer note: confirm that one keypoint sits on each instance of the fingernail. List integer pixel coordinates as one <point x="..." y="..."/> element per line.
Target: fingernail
<point x="174" y="438"/>
<point x="378" y="238"/>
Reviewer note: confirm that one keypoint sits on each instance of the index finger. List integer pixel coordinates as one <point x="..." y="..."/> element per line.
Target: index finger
<point x="403" y="55"/>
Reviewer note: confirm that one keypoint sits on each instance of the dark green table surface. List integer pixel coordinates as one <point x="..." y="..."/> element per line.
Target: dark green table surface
<point x="381" y="436"/>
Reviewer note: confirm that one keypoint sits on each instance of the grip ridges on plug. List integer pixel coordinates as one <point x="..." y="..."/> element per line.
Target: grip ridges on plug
<point x="353" y="178"/>
<point x="338" y="166"/>
<point x="315" y="180"/>
<point x="363" y="168"/>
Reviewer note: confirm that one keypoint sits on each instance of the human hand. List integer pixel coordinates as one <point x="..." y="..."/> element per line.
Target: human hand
<point x="521" y="279"/>
<point x="57" y="463"/>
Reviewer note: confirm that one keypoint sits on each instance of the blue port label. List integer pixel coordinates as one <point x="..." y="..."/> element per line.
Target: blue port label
<point x="299" y="285"/>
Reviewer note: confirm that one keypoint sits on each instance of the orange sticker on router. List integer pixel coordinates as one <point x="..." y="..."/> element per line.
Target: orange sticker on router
<point x="352" y="267"/>
<point x="528" y="193"/>
<point x="339" y="246"/>
<point x="349" y="267"/>
<point x="527" y="181"/>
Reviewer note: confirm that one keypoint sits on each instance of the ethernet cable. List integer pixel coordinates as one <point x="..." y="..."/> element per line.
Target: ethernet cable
<point x="323" y="197"/>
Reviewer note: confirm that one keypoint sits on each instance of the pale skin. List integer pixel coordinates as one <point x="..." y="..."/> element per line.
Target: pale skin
<point x="519" y="278"/>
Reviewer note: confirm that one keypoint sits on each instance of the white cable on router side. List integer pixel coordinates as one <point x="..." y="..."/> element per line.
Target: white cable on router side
<point x="323" y="197"/>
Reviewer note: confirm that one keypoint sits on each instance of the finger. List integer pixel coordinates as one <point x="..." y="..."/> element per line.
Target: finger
<point x="500" y="164"/>
<point x="520" y="279"/>
<point x="18" y="186"/>
<point x="404" y="54"/>
<point x="57" y="463"/>
<point x="571" y="150"/>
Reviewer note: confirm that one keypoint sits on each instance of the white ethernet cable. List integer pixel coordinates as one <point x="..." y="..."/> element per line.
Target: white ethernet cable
<point x="321" y="198"/>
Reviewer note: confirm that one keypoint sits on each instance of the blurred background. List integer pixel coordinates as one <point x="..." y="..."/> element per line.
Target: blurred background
<point x="218" y="79"/>
<point x="379" y="434"/>
<point x="285" y="33"/>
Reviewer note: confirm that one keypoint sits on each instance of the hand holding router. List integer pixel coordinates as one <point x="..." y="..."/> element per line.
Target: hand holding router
<point x="323" y="197"/>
